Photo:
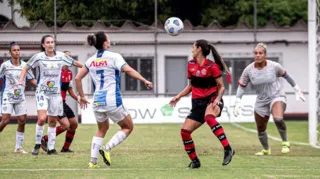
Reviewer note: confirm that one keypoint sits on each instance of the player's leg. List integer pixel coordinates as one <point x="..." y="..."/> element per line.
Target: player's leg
<point x="71" y="129"/>
<point x="64" y="125"/>
<point x="261" y="124"/>
<point x="21" y="113"/>
<point x="192" y="122"/>
<point x="42" y="107"/>
<point x="277" y="110"/>
<point x="97" y="140"/>
<point x="210" y="117"/>
<point x="7" y="109"/>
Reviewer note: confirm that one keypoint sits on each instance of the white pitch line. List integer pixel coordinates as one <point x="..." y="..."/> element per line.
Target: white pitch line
<point x="270" y="136"/>
<point x="147" y="169"/>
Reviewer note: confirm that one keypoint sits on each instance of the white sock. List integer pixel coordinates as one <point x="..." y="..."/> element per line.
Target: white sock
<point x="116" y="140"/>
<point x="19" y="139"/>
<point x="95" y="146"/>
<point x="39" y="132"/>
<point x="51" y="137"/>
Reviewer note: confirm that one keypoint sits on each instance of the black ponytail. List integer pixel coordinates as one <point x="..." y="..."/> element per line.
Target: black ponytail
<point x="97" y="40"/>
<point x="218" y="60"/>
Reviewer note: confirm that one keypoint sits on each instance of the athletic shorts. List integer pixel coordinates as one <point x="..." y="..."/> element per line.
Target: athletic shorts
<point x="19" y="109"/>
<point x="52" y="104"/>
<point x="199" y="107"/>
<point x="116" y="114"/>
<point x="67" y="111"/>
<point x="264" y="109"/>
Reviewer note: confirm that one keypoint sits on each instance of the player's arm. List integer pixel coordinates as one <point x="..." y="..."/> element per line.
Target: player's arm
<point x="133" y="73"/>
<point x="69" y="61"/>
<point x="81" y="74"/>
<point x="72" y="93"/>
<point x="183" y="93"/>
<point x="221" y="89"/>
<point x="243" y="82"/>
<point x="77" y="64"/>
<point x="23" y="75"/>
<point x="281" y="72"/>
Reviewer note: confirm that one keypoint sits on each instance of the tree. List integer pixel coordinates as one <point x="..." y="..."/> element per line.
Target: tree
<point x="200" y="12"/>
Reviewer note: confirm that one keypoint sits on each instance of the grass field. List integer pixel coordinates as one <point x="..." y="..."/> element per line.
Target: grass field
<point x="156" y="151"/>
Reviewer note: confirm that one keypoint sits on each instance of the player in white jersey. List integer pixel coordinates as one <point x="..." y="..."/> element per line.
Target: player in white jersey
<point x="49" y="102"/>
<point x="13" y="99"/>
<point x="264" y="75"/>
<point x="104" y="68"/>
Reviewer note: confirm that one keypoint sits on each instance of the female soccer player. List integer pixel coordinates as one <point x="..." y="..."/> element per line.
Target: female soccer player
<point x="104" y="68"/>
<point x="207" y="88"/>
<point x="13" y="99"/>
<point x="49" y="102"/>
<point x="264" y="76"/>
<point x="67" y="121"/>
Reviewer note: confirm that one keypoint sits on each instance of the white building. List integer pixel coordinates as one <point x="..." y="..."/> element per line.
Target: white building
<point x="286" y="45"/>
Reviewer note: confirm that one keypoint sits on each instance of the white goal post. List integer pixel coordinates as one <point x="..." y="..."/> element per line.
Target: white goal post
<point x="313" y="53"/>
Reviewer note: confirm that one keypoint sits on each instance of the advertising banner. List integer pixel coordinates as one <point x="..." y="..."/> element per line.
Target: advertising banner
<point x="157" y="110"/>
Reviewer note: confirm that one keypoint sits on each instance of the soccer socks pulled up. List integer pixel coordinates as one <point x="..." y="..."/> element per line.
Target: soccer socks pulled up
<point x="19" y="139"/>
<point x="95" y="146"/>
<point x="69" y="139"/>
<point x="282" y="128"/>
<point x="39" y="132"/>
<point x="217" y="130"/>
<point x="59" y="130"/>
<point x="263" y="137"/>
<point x="188" y="143"/>
<point x="116" y="140"/>
<point x="51" y="137"/>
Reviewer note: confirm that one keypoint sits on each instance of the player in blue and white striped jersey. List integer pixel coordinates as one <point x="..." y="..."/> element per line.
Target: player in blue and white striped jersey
<point x="49" y="102"/>
<point x="13" y="98"/>
<point x="104" y="68"/>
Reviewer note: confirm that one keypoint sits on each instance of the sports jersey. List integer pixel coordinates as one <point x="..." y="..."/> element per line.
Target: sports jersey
<point x="66" y="82"/>
<point x="203" y="78"/>
<point x="49" y="71"/>
<point x="266" y="80"/>
<point x="105" y="68"/>
<point x="13" y="93"/>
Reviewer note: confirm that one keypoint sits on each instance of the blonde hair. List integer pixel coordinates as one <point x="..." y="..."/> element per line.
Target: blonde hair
<point x="262" y="45"/>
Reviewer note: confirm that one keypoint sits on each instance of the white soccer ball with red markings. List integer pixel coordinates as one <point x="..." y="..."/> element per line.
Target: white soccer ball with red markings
<point x="173" y="26"/>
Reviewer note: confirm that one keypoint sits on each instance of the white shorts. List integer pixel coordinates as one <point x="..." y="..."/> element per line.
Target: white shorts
<point x="19" y="109"/>
<point x="52" y="104"/>
<point x="116" y="114"/>
<point x="264" y="109"/>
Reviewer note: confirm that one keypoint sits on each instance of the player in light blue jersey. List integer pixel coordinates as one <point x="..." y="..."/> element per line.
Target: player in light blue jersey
<point x="49" y="102"/>
<point x="104" y="68"/>
<point x="13" y="98"/>
<point x="264" y="75"/>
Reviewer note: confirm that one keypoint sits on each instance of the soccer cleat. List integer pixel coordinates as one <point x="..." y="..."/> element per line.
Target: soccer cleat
<point x="285" y="147"/>
<point x="194" y="164"/>
<point x="66" y="150"/>
<point x="52" y="152"/>
<point x="44" y="144"/>
<point x="92" y="165"/>
<point x="228" y="154"/>
<point x="20" y="150"/>
<point x="263" y="152"/>
<point x="36" y="149"/>
<point x="106" y="157"/>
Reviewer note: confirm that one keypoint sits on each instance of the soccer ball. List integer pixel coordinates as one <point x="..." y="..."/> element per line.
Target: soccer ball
<point x="173" y="26"/>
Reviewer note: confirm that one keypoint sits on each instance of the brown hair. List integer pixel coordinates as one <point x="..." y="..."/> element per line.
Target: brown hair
<point x="97" y="40"/>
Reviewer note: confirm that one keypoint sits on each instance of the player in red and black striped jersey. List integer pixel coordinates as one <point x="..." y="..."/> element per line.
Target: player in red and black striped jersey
<point x="206" y="85"/>
<point x="68" y="121"/>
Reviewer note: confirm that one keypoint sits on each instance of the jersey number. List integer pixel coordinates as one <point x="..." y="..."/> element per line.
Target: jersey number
<point x="101" y="72"/>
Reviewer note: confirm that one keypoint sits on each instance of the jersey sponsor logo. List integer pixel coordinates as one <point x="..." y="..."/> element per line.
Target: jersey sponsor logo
<point x="99" y="62"/>
<point x="198" y="73"/>
<point x="17" y="91"/>
<point x="51" y="75"/>
<point x="203" y="71"/>
<point x="49" y="87"/>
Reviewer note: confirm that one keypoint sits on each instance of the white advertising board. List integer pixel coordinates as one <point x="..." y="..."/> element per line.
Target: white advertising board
<point x="157" y="110"/>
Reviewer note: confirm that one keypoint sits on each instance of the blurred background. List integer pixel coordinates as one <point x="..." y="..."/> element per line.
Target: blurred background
<point x="136" y="31"/>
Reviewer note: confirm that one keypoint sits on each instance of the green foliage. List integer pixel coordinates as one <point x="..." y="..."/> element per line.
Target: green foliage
<point x="203" y="12"/>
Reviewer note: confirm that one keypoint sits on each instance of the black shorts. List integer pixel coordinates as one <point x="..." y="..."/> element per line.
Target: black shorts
<point x="199" y="107"/>
<point x="67" y="111"/>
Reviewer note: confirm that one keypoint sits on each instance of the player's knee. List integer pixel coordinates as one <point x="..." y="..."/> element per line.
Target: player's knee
<point x="185" y="133"/>
<point x="22" y="121"/>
